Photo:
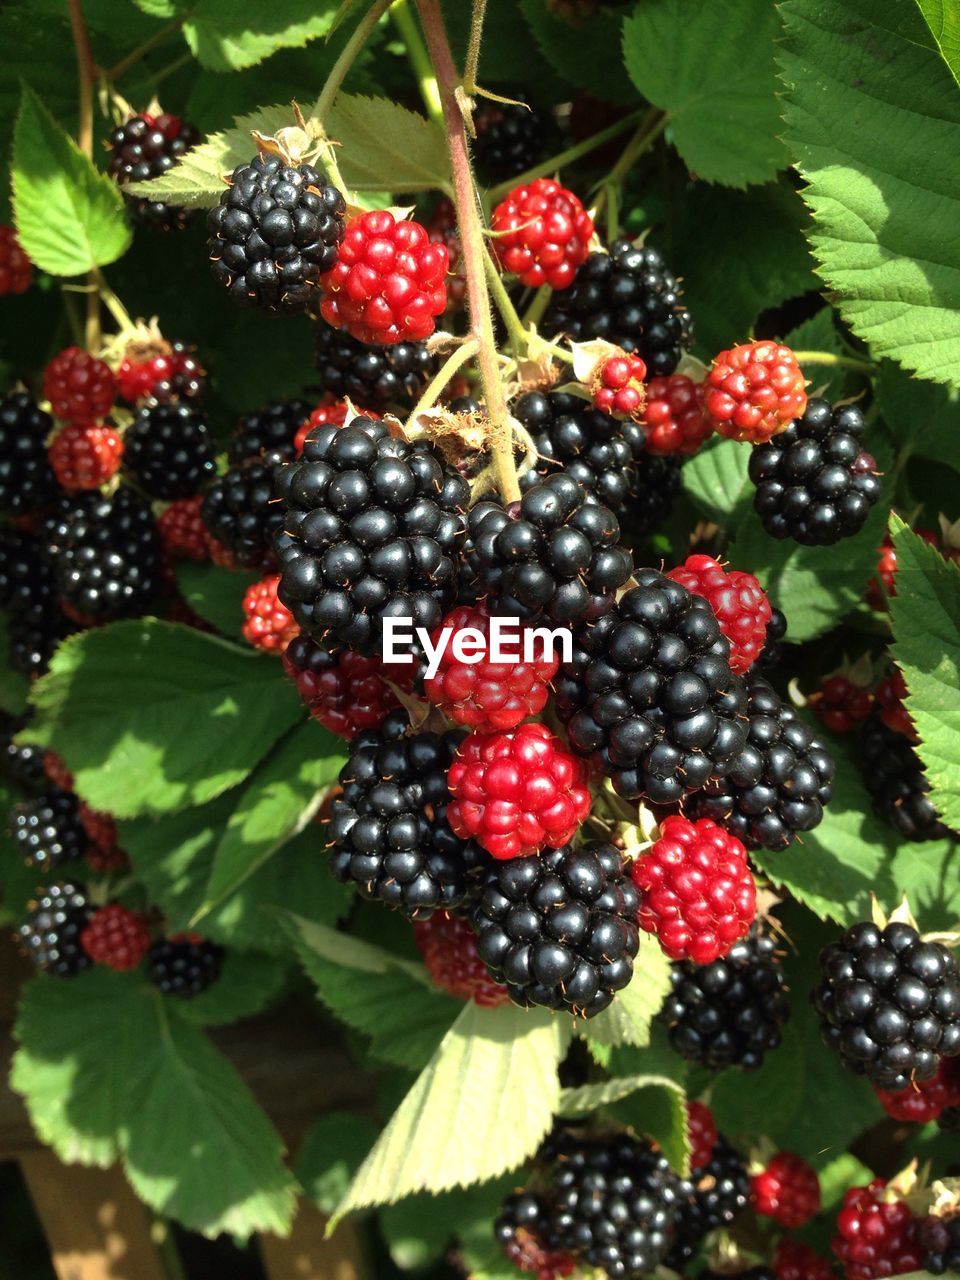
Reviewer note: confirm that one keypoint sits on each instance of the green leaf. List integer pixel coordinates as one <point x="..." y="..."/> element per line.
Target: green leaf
<point x="921" y="415"/>
<point x="717" y="481"/>
<point x="386" y="147"/>
<point x="711" y="69"/>
<point x="929" y="874"/>
<point x="925" y="614"/>
<point x="820" y="333"/>
<point x="657" y="1109"/>
<point x="13" y="687"/>
<point x="943" y="19"/>
<point x="627" y="1020"/>
<point x="585" y="55"/>
<point x="494" y="1077"/>
<point x="419" y="1229"/>
<point x="69" y="217"/>
<point x="226" y="37"/>
<point x="215" y="594"/>
<point x="331" y="1152"/>
<point x="249" y="981"/>
<point x="151" y="716"/>
<point x="871" y="109"/>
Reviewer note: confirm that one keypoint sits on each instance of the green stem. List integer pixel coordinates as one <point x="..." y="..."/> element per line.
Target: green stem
<point x="648" y="131"/>
<point x="110" y="300"/>
<point x="541" y="300"/>
<point x="473" y="48"/>
<point x="564" y="158"/>
<point x="419" y="58"/>
<point x="504" y="304"/>
<point x="434" y="388"/>
<point x="154" y="79"/>
<point x="132" y="58"/>
<point x="348" y="56"/>
<point x="836" y="362"/>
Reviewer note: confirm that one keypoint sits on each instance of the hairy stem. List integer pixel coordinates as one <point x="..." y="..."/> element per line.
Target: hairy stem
<point x="141" y="51"/>
<point x="473" y="47"/>
<point x="110" y="300"/>
<point x="349" y="55"/>
<point x="434" y="388"/>
<point x="541" y="300"/>
<point x="419" y="59"/>
<point x="473" y="251"/>
<point x="836" y="362"/>
<point x="504" y="304"/>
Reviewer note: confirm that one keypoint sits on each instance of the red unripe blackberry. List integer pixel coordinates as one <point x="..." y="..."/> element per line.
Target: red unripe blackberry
<point x="57" y="771"/>
<point x="519" y="1228"/>
<point x="449" y="949"/>
<point x="145" y="147"/>
<point x="182" y="530"/>
<point x="880" y="588"/>
<point x="754" y="391"/>
<point x="268" y="624"/>
<point x="839" y="704"/>
<point x="184" y="965"/>
<point x="80" y="387"/>
<point x="16" y="269"/>
<point x="518" y="792"/>
<point x="618" y="386"/>
<point x="876" y="1236"/>
<point x="51" y="933"/>
<point x="697" y="893"/>
<point x="272" y="430"/>
<point x="673" y="417"/>
<point x="738" y="601"/>
<point x="169" y="452"/>
<point x="348" y="691"/>
<point x="103" y="852"/>
<point x="85" y="455"/>
<point x="793" y="1260"/>
<point x="162" y="376"/>
<point x="27" y="482"/>
<point x="372" y="377"/>
<point x="702" y="1132"/>
<point x="891" y="695"/>
<point x="487" y="695"/>
<point x="389" y="281"/>
<point x="116" y="937"/>
<point x="923" y="1101"/>
<point x="542" y="234"/>
<point x="787" y="1190"/>
<point x="443" y="229"/>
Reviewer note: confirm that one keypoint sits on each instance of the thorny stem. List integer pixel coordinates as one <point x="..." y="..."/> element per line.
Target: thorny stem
<point x="434" y="388"/>
<point x="419" y="58"/>
<point x="473" y="251"/>
<point x="837" y="362"/>
<point x="473" y="48"/>
<point x="135" y="55"/>
<point x="348" y="57"/>
<point x="518" y="334"/>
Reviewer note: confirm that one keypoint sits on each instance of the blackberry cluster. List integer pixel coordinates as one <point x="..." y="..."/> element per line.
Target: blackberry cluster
<point x="728" y="1013"/>
<point x="51" y="933"/>
<point x="372" y="377"/>
<point x="557" y="555"/>
<point x="240" y="511"/>
<point x="47" y="829"/>
<point x="520" y="1228"/>
<point x="145" y="147"/>
<point x="897" y="784"/>
<point x="275" y="232"/>
<point x="372" y="529"/>
<point x="719" y="1193"/>
<point x="655" y="487"/>
<point x="628" y="297"/>
<point x="388" y="830"/>
<point x="21" y="763"/>
<point x="777" y="785"/>
<point x="815" y="482"/>
<point x="168" y="451"/>
<point x="940" y="1238"/>
<point x="560" y="930"/>
<point x="269" y="431"/>
<point x="184" y="966"/>
<point x="889" y="1003"/>
<point x="27" y="482"/>
<point x="649" y="692"/>
<point x="511" y="138"/>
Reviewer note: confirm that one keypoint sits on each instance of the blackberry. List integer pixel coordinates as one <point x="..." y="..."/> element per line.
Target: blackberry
<point x="719" y="1193"/>
<point x="105" y="554"/>
<point x="898" y="786"/>
<point x="729" y="1013"/>
<point x="186" y="381"/>
<point x="240" y="511"/>
<point x="27" y="482"/>
<point x="271" y="430"/>
<point x="556" y="555"/>
<point x="656" y="484"/>
<point x="388" y="831"/>
<point x="520" y="1228"/>
<point x="28" y="586"/>
<point x="145" y="147"/>
<point x="777" y="785"/>
<point x="47" y="829"/>
<point x="21" y="763"/>
<point x="51" y="933"/>
<point x="511" y="138"/>
<point x="629" y="298"/>
<point x="33" y="643"/>
<point x="815" y="482"/>
<point x="650" y="694"/>
<point x="372" y="530"/>
<point x="372" y="377"/>
<point x="889" y="1003"/>
<point x="184" y="965"/>
<point x="560" y="930"/>
<point x="275" y="232"/>
<point x="940" y="1238"/>
<point x="168" y="451"/>
<point x="771" y="655"/>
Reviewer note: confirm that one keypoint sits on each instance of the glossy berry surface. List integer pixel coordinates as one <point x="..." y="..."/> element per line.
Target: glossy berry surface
<point x="511" y="137"/>
<point x="184" y="965"/>
<point x="240" y="512"/>
<point x="159" y="376"/>
<point x="940" y="1239"/>
<point x="449" y="949"/>
<point x="787" y="1190"/>
<point x="116" y="937"/>
<point x="738" y="601"/>
<point x="520" y="1228"/>
<point x="80" y="387"/>
<point x="27" y="482"/>
<point x="754" y="391"/>
<point x="268" y="623"/>
<point x="897" y="783"/>
<point x="876" y="1235"/>
<point x="924" y="1101"/>
<point x="702" y="1133"/>
<point x="332" y="413"/>
<point x="840" y="705"/>
<point x="182" y="531"/>
<point x="85" y="455"/>
<point x="348" y="691"/>
<point x="51" y="933"/>
<point x="372" y="377"/>
<point x="147" y="146"/>
<point x="169" y="451"/>
<point x="47" y="830"/>
<point x="16" y="269"/>
<point x="718" y="1194"/>
<point x="674" y="419"/>
<point x="542" y="234"/>
<point x="618" y="386"/>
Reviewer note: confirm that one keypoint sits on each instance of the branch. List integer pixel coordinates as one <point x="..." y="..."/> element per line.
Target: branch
<point x="348" y="56"/>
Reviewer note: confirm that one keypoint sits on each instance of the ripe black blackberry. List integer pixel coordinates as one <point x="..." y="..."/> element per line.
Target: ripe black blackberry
<point x="815" y="482"/>
<point x="728" y="1013"/>
<point x="940" y="1238"/>
<point x="719" y="1193"/>
<point x="51" y="933"/>
<point x="897" y="784"/>
<point x="28" y="588"/>
<point x="240" y="510"/>
<point x="649" y="692"/>
<point x="372" y="529"/>
<point x="520" y="1228"/>
<point x="47" y="830"/>
<point x="889" y="1003"/>
<point x="656" y="485"/>
<point x="27" y="482"/>
<point x="557" y="554"/>
<point x="511" y="138"/>
<point x="270" y="430"/>
<point x="168" y="450"/>
<point x="771" y="655"/>
<point x="184" y="965"/>
<point x="145" y="147"/>
<point x="628" y="297"/>
<point x="559" y="930"/>
<point x="372" y="377"/>
<point x="33" y="643"/>
<point x="388" y="831"/>
<point x="21" y="763"/>
<point x="777" y="785"/>
<point x="105" y="554"/>
<point x="275" y="232"/>
<point x="187" y="381"/>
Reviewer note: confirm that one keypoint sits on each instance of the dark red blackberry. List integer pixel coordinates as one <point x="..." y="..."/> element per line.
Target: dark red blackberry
<point x="511" y="137"/>
<point x="270" y="430"/>
<point x="559" y="930"/>
<point x="940" y="1239"/>
<point x="145" y="147"/>
<point x="184" y="965"/>
<point x="629" y="298"/>
<point x="33" y="643"/>
<point x="777" y="784"/>
<point x="388" y="830"/>
<point x="372" y="377"/>
<point x="372" y="530"/>
<point x="105" y="553"/>
<point x="557" y="554"/>
<point x="168" y="451"/>
<point x="274" y="233"/>
<point x="815" y="482"/>
<point x="729" y="1013"/>
<point x="519" y="1228"/>
<point x="240" y="511"/>
<point x="27" y="482"/>
<point x="889" y="1003"/>
<point x="47" y="829"/>
<point x="22" y="764"/>
<point x="649" y="692"/>
<point x="656" y="485"/>
<point x="898" y="786"/>
<point x="51" y="933"/>
<point x="719" y="1193"/>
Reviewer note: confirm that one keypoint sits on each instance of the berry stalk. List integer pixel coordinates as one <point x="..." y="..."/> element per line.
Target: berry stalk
<point x="834" y="361"/>
<point x="135" y="55"/>
<point x="406" y="24"/>
<point x="473" y="47"/>
<point x="348" y="57"/>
